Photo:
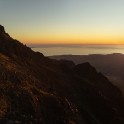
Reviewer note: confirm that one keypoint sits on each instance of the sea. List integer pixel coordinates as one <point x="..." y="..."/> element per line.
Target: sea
<point x="50" y="50"/>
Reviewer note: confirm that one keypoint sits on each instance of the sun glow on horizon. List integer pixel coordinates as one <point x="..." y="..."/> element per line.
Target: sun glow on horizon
<point x="72" y="39"/>
<point x="64" y="22"/>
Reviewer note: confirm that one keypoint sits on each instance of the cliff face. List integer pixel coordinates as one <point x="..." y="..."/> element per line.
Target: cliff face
<point x="35" y="89"/>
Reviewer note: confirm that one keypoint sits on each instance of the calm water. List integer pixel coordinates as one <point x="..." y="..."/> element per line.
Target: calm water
<point x="49" y="50"/>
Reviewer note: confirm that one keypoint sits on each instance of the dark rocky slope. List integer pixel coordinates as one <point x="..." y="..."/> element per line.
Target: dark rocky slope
<point x="35" y="89"/>
<point x="111" y="65"/>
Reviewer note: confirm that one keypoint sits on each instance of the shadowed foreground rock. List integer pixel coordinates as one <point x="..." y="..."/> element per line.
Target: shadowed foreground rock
<point x="35" y="89"/>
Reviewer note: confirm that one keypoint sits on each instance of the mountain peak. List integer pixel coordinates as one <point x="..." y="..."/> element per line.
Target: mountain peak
<point x="2" y="29"/>
<point x="3" y="33"/>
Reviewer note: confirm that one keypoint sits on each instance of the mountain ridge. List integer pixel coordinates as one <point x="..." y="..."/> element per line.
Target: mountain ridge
<point x="36" y="89"/>
<point x="111" y="65"/>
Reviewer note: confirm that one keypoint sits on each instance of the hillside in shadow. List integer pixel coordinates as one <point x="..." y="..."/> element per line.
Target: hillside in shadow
<point x="111" y="65"/>
<point x="36" y="89"/>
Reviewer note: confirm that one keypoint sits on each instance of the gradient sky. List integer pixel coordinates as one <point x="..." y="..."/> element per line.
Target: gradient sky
<point x="64" y="21"/>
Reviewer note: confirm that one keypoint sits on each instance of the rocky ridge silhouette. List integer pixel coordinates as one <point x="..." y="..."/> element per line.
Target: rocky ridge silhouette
<point x="36" y="89"/>
<point x="111" y="65"/>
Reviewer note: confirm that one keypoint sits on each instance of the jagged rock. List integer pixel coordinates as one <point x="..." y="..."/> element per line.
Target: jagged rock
<point x="2" y="29"/>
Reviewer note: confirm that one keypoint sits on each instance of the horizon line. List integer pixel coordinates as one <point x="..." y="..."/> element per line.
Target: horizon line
<point x="66" y="44"/>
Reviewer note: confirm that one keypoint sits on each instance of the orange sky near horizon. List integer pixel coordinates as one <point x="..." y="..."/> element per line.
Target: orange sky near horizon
<point x="64" y="21"/>
<point x="69" y="38"/>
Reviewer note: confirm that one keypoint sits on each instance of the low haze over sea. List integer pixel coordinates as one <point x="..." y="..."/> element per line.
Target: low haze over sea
<point x="50" y="50"/>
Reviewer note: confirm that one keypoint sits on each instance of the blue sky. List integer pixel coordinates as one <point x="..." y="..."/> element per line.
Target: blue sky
<point x="64" y="21"/>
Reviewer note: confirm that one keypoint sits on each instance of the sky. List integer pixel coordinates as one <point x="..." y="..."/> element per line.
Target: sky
<point x="64" y="21"/>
